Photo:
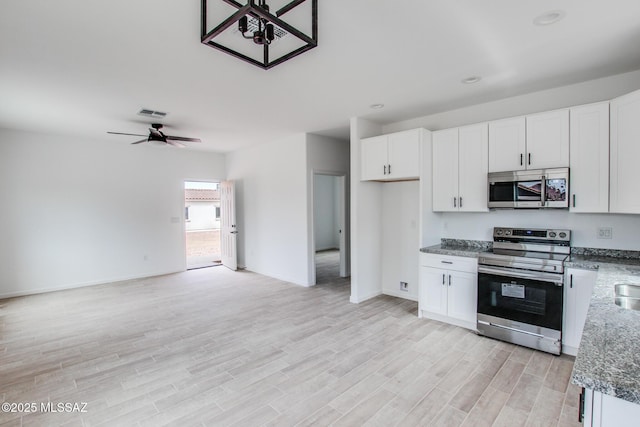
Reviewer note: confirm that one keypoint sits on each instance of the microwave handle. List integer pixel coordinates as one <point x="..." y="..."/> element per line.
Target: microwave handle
<point x="543" y="191"/>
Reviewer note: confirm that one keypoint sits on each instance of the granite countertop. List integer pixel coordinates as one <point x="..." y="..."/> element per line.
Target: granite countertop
<point x="456" y="247"/>
<point x="608" y="359"/>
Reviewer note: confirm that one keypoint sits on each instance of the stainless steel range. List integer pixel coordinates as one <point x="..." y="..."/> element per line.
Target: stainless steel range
<point x="520" y="287"/>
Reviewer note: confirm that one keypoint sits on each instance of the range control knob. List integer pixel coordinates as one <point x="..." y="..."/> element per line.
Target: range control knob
<point x="507" y="232"/>
<point x="563" y="235"/>
<point x="552" y="234"/>
<point x="499" y="232"/>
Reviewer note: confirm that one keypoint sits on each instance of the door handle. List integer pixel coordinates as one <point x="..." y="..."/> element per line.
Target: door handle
<point x="571" y="280"/>
<point x="529" y="159"/>
<point x="574" y="200"/>
<point x="449" y="280"/>
<point x="385" y="169"/>
<point x="520" y="159"/>
<point x="233" y="232"/>
<point x="460" y="201"/>
<point x="443" y="279"/>
<point x="455" y="201"/>
<point x="389" y="167"/>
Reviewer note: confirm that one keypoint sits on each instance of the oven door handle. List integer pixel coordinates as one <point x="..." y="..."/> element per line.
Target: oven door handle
<point x="556" y="279"/>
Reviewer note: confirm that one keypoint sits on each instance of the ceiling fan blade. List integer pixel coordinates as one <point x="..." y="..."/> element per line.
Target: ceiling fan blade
<point x="182" y="138"/>
<point x="142" y="140"/>
<point x="130" y="134"/>
<point x="175" y="144"/>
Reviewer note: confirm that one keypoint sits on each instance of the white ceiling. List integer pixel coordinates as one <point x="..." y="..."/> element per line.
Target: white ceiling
<point x="86" y="67"/>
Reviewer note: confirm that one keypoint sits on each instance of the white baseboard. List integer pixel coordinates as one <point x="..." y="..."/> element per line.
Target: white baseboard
<point x="16" y="294"/>
<point x="400" y="294"/>
<point x="355" y="300"/>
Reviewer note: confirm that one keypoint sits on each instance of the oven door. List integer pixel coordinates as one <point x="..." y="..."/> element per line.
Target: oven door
<point x="521" y="296"/>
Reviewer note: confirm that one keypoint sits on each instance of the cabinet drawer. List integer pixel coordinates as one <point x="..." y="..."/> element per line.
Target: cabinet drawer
<point x="449" y="262"/>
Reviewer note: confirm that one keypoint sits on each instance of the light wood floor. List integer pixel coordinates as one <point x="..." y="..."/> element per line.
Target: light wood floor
<point x="214" y="347"/>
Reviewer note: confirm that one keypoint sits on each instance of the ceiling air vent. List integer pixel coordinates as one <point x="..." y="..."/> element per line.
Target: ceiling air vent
<point x="151" y="113"/>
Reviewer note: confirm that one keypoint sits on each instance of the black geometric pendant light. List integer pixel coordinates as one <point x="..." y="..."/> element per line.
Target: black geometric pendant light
<point x="261" y="34"/>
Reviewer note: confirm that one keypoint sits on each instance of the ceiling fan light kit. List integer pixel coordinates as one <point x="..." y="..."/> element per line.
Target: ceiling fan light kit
<point x="261" y="34"/>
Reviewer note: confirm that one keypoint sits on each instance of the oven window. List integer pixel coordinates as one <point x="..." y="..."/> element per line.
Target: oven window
<point x="501" y="192"/>
<point x="529" y="191"/>
<point x="556" y="190"/>
<point x="521" y="300"/>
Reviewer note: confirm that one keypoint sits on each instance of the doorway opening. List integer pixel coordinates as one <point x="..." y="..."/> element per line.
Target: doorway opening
<point x="202" y="224"/>
<point x="330" y="213"/>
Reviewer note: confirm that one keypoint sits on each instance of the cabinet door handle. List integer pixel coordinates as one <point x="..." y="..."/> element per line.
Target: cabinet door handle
<point x="571" y="280"/>
<point x="455" y="202"/>
<point x="460" y="201"/>
<point x="449" y="280"/>
<point x="442" y="279"/>
<point x="447" y="262"/>
<point x="574" y="200"/>
<point x="581" y="406"/>
<point x="529" y="159"/>
<point x="385" y="169"/>
<point x="520" y="159"/>
<point x="389" y="167"/>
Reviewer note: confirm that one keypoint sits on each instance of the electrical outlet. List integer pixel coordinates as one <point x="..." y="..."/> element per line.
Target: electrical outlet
<point x="605" y="232"/>
<point x="404" y="286"/>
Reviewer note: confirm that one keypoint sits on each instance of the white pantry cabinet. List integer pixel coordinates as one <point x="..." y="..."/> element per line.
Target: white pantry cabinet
<point x="392" y="157"/>
<point x="460" y="164"/>
<point x="602" y="410"/>
<point x="589" y="162"/>
<point x="448" y="289"/>
<point x="625" y="152"/>
<point x="537" y="141"/>
<point x="578" y="289"/>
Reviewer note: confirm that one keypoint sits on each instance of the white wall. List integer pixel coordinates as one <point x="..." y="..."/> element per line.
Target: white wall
<point x="400" y="237"/>
<point x="326" y="220"/>
<point x="478" y="226"/>
<point x="366" y="220"/>
<point x="271" y="208"/>
<point x="76" y="212"/>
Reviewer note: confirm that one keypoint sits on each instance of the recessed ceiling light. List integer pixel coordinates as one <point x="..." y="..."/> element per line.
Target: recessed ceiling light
<point x="376" y="106"/>
<point x="550" y="17"/>
<point x="472" y="79"/>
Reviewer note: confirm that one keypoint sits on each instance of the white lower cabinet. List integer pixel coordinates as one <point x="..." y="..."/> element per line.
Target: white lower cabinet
<point x="578" y="288"/>
<point x="602" y="410"/>
<point x="448" y="289"/>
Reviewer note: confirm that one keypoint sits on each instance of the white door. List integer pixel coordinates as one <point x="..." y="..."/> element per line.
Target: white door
<point x="374" y="158"/>
<point x="473" y="164"/>
<point x="228" y="230"/>
<point x="463" y="296"/>
<point x="625" y="152"/>
<point x="403" y="153"/>
<point x="433" y="290"/>
<point x="340" y="198"/>
<point x="445" y="170"/>
<point x="507" y="144"/>
<point x="589" y="160"/>
<point x="548" y="140"/>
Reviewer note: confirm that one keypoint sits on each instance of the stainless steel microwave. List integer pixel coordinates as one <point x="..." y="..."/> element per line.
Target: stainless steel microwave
<point x="540" y="188"/>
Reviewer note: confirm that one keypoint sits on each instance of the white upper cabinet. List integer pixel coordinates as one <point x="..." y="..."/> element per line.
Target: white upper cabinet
<point x="392" y="157"/>
<point x="589" y="160"/>
<point x="537" y="141"/>
<point x="625" y="152"/>
<point x="374" y="158"/>
<point x="460" y="162"/>
<point x="445" y="170"/>
<point x="548" y="140"/>
<point x="473" y="164"/>
<point x="507" y="144"/>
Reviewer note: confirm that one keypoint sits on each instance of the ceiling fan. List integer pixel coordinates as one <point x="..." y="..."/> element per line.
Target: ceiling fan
<point x="155" y="134"/>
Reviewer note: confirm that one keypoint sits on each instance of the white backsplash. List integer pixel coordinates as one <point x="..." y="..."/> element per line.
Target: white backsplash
<point x="584" y="227"/>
